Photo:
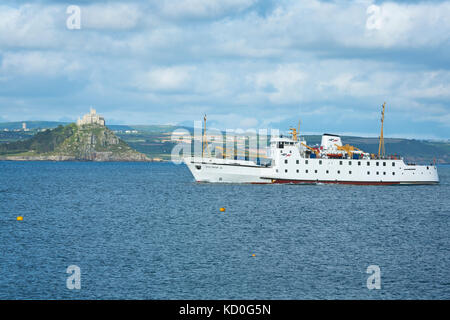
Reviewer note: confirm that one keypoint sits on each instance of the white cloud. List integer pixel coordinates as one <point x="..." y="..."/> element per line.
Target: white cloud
<point x="431" y="85"/>
<point x="203" y="8"/>
<point x="112" y="16"/>
<point x="282" y="85"/>
<point x="337" y="25"/>
<point x="356" y="84"/>
<point x="165" y="79"/>
<point x="37" y="63"/>
<point x="29" y="26"/>
<point x="410" y="25"/>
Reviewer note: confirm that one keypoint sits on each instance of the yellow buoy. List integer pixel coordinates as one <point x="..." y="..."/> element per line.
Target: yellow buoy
<point x="19" y="218"/>
<point x="253" y="255"/>
<point x="222" y="209"/>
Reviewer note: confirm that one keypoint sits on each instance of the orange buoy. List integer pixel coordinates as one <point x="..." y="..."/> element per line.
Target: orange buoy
<point x="19" y="218"/>
<point x="253" y="255"/>
<point x="222" y="209"/>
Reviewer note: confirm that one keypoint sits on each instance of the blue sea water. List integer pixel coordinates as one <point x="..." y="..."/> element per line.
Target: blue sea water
<point x="148" y="231"/>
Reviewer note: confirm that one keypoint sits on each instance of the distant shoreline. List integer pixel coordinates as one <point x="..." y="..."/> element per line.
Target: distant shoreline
<point x="115" y="161"/>
<point x="68" y="159"/>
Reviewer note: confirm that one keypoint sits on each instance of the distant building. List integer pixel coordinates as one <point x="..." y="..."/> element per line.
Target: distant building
<point x="24" y="127"/>
<point x="91" y="118"/>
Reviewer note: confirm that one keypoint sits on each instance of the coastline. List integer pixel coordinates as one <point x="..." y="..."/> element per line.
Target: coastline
<point x="75" y="159"/>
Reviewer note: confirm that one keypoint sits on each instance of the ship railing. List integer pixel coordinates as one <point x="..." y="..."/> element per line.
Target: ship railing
<point x="388" y="157"/>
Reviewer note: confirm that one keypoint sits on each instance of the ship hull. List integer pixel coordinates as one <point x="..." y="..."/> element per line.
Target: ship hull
<point x="367" y="183"/>
<point x="312" y="171"/>
<point x="216" y="171"/>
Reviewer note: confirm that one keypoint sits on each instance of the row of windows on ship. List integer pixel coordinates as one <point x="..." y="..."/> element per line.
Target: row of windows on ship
<point x="338" y="172"/>
<point x="341" y="163"/>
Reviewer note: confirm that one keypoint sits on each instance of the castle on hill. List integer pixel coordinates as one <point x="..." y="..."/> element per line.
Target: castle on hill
<point x="91" y="118"/>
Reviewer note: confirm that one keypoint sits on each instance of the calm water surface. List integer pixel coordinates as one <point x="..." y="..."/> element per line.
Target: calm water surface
<point x="147" y="231"/>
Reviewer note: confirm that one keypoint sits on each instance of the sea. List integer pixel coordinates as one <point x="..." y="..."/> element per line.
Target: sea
<point x="148" y="231"/>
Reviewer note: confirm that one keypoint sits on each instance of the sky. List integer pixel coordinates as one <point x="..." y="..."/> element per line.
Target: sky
<point x="245" y="63"/>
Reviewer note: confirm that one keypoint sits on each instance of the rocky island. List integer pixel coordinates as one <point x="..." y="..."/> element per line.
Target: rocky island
<point x="88" y="140"/>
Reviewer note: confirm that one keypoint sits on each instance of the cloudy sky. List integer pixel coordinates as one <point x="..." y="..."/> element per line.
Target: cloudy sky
<point x="245" y="63"/>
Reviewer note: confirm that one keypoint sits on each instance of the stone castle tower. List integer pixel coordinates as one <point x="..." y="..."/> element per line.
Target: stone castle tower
<point x="91" y="118"/>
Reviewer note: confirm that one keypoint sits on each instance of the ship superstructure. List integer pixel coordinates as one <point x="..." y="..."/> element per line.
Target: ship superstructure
<point x="292" y="160"/>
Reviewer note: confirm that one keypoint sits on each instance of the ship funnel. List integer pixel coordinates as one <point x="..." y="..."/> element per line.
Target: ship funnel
<point x="330" y="140"/>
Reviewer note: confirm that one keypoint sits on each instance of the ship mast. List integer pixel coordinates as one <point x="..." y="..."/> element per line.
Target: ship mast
<point x="381" y="151"/>
<point x="295" y="132"/>
<point x="204" y="141"/>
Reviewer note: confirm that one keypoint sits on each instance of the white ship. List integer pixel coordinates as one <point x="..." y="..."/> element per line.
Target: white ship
<point x="293" y="161"/>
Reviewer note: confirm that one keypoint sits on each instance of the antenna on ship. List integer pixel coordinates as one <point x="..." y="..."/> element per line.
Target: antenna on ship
<point x="204" y="141"/>
<point x="381" y="151"/>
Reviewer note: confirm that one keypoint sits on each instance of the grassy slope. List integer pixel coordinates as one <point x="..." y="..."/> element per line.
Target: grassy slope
<point x="12" y="136"/>
<point x="42" y="142"/>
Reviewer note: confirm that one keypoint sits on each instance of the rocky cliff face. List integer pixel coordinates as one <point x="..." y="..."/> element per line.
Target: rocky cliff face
<point x="97" y="143"/>
<point x="85" y="143"/>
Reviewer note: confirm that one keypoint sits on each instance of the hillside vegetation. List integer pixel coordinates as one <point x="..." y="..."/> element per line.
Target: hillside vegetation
<point x="42" y="142"/>
<point x="88" y="143"/>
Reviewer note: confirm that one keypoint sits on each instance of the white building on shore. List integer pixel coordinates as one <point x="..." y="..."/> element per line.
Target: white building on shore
<point x="91" y="118"/>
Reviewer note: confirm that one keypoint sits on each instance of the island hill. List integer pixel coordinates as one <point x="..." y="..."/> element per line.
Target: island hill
<point x="87" y="140"/>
